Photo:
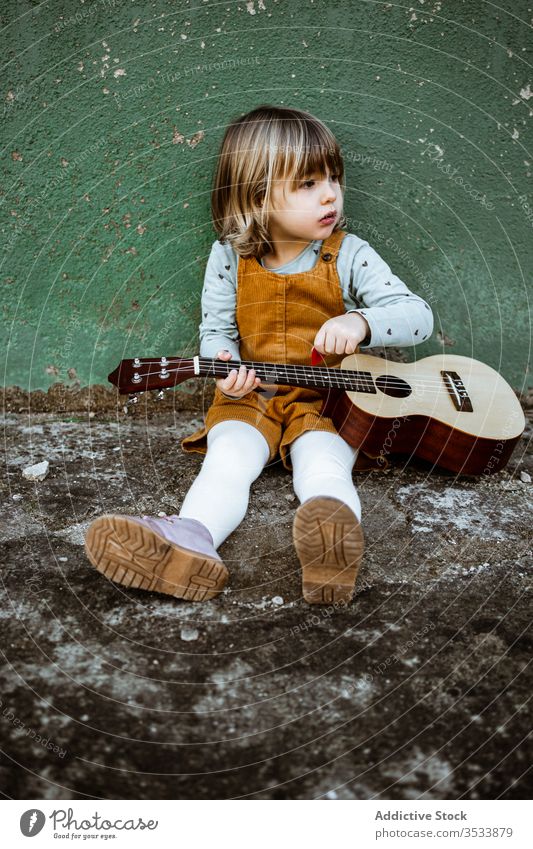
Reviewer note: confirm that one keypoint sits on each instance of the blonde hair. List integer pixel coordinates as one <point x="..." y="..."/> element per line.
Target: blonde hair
<point x="269" y="143"/>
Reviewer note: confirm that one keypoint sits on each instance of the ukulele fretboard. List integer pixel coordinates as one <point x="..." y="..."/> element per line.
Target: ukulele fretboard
<point x="294" y="375"/>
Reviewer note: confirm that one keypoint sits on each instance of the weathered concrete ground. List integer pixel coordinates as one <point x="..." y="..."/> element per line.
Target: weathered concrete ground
<point x="419" y="689"/>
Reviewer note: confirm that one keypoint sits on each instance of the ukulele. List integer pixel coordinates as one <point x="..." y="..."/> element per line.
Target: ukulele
<point x="455" y="412"/>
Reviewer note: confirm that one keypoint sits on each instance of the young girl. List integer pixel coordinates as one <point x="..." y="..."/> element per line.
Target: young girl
<point x="283" y="277"/>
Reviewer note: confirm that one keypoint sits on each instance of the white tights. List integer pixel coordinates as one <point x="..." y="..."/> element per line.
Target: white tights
<point x="237" y="453"/>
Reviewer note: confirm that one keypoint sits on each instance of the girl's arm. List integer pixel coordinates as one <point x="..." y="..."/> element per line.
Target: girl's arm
<point x="218" y="328"/>
<point x="394" y="314"/>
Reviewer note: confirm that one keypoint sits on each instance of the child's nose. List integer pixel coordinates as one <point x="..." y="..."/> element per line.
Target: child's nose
<point x="328" y="192"/>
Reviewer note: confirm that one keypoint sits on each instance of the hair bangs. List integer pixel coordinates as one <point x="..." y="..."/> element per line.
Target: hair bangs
<point x="315" y="151"/>
<point x="308" y="148"/>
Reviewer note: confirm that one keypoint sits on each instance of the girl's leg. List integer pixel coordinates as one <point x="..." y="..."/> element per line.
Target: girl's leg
<point x="237" y="452"/>
<point x="327" y="535"/>
<point x="322" y="465"/>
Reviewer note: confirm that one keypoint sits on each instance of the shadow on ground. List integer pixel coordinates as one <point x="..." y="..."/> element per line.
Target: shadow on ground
<point x="417" y="690"/>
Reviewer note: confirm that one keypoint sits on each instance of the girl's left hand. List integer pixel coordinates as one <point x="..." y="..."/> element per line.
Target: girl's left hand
<point x="342" y="334"/>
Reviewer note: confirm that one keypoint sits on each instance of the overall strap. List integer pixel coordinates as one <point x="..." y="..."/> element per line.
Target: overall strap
<point x="332" y="245"/>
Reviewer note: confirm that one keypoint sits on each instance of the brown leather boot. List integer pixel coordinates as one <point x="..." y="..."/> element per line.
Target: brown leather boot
<point x="164" y="555"/>
<point x="329" y="542"/>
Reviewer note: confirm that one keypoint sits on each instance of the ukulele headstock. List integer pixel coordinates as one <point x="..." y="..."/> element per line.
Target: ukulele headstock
<point x="132" y="377"/>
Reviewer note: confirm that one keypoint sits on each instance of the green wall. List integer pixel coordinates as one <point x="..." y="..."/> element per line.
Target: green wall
<point x="112" y="116"/>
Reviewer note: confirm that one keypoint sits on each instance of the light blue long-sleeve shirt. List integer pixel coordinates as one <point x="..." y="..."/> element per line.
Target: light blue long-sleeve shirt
<point x="395" y="315"/>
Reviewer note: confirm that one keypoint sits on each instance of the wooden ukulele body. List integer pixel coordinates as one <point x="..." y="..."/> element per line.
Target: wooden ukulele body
<point x="425" y="421"/>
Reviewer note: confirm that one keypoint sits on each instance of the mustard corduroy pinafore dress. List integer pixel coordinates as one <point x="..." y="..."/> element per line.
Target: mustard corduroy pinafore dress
<point x="278" y="316"/>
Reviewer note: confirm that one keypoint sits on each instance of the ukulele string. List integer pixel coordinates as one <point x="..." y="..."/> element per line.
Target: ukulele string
<point x="310" y="372"/>
<point x="327" y="374"/>
<point x="316" y="375"/>
<point x="323" y="371"/>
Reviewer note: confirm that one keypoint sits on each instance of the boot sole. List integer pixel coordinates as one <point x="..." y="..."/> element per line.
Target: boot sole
<point x="329" y="542"/>
<point x="131" y="554"/>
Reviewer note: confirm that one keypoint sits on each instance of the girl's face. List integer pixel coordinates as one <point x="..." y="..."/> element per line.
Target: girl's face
<point x="299" y="214"/>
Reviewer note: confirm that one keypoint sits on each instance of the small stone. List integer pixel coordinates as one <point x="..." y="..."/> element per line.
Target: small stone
<point x="17" y="497"/>
<point x="189" y="634"/>
<point x="84" y="717"/>
<point x="278" y="601"/>
<point x="290" y="496"/>
<point x="37" y="472"/>
<point x="525" y="476"/>
<point x="63" y="559"/>
<point x="161" y="513"/>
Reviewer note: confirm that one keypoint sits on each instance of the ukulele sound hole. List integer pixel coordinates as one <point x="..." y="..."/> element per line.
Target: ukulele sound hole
<point x="393" y="386"/>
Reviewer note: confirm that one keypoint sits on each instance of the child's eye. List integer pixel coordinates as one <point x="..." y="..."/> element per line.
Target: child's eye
<point x="335" y="176"/>
<point x="308" y="183"/>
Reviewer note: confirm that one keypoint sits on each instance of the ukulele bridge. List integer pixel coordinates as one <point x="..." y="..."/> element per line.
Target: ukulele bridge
<point x="457" y="391"/>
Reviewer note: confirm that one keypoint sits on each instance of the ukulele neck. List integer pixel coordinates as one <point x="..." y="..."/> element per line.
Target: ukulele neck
<point x="314" y="377"/>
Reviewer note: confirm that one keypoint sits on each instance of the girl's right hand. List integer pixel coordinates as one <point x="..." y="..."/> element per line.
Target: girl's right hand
<point x="238" y="383"/>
